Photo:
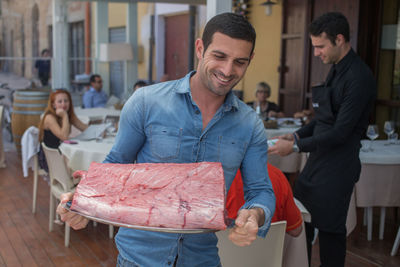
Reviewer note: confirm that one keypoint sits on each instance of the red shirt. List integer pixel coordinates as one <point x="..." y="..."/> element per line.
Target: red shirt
<point x="285" y="208"/>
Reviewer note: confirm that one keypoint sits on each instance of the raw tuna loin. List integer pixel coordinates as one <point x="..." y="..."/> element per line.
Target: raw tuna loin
<point x="171" y="195"/>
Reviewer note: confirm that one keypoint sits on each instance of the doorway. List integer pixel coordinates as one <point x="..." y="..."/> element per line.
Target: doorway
<point x="176" y="46"/>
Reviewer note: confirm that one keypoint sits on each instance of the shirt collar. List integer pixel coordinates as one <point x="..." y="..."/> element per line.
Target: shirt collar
<point x="183" y="87"/>
<point x="345" y="61"/>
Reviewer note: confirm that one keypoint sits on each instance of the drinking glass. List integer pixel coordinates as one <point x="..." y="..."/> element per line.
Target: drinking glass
<point x="388" y="128"/>
<point x="393" y="138"/>
<point x="372" y="134"/>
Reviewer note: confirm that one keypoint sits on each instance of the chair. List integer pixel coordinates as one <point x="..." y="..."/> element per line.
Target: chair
<point x="295" y="250"/>
<point x="60" y="182"/>
<point x="266" y="251"/>
<point x="396" y="243"/>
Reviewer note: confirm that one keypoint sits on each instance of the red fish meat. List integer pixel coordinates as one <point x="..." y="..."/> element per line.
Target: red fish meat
<point x="171" y="195"/>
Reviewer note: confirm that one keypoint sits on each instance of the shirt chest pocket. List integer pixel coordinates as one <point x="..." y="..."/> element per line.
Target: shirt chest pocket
<point x="165" y="142"/>
<point x="231" y="151"/>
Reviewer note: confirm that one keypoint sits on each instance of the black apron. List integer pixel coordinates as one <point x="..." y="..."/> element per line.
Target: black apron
<point x="326" y="183"/>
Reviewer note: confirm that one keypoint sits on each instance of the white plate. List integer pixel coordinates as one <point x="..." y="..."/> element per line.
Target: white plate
<point x="139" y="227"/>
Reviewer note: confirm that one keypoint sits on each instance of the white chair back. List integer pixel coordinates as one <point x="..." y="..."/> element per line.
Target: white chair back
<point x="60" y="176"/>
<point x="60" y="182"/>
<point x="263" y="252"/>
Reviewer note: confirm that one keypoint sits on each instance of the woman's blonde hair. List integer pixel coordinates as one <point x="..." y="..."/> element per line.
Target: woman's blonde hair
<point x="50" y="110"/>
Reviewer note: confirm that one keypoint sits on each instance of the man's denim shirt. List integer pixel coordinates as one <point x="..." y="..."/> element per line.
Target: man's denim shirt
<point x="162" y="124"/>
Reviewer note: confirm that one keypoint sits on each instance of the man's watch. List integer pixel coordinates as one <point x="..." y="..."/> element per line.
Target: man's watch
<point x="295" y="148"/>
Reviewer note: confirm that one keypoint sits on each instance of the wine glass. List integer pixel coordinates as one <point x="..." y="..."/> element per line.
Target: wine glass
<point x="388" y="128"/>
<point x="372" y="133"/>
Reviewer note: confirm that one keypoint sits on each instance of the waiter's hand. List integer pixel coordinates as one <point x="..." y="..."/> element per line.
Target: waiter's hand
<point x="282" y="147"/>
<point x="287" y="136"/>
<point x="246" y="226"/>
<point x="74" y="220"/>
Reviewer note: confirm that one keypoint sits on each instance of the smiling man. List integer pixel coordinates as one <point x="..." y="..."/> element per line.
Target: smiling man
<point x="196" y="119"/>
<point x="342" y="106"/>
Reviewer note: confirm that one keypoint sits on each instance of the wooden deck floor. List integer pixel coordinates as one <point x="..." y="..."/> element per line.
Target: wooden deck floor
<point x="26" y="241"/>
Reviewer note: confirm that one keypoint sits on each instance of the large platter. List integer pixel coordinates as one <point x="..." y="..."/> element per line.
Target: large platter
<point x="139" y="227"/>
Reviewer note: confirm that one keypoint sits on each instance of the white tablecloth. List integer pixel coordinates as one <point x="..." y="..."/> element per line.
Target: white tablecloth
<point x="85" y="152"/>
<point x="382" y="153"/>
<point x="291" y="163"/>
<point x="97" y="114"/>
<point x="379" y="183"/>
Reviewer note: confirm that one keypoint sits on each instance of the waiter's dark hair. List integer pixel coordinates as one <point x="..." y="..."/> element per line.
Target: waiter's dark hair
<point x="231" y="24"/>
<point x="332" y="24"/>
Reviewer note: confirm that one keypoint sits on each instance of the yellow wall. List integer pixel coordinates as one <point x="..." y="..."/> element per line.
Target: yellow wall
<point x="264" y="66"/>
<point x="117" y="14"/>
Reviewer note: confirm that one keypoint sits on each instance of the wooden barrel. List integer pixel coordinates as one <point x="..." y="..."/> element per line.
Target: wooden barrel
<point x="28" y="105"/>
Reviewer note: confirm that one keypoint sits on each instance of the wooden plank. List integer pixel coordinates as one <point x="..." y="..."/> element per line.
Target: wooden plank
<point x="7" y="252"/>
<point x="17" y="244"/>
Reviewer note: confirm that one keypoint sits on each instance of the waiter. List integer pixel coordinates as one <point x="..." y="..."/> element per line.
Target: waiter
<point x="342" y="106"/>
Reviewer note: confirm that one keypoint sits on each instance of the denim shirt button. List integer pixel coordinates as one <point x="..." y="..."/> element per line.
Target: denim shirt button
<point x="197" y="112"/>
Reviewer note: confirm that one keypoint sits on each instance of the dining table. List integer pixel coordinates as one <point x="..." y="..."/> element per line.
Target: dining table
<point x="379" y="183"/>
<point x="80" y="154"/>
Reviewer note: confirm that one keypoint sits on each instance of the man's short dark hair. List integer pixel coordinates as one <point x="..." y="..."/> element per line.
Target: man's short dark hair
<point x="231" y="24"/>
<point x="332" y="24"/>
<point x="93" y="78"/>
<point x="45" y="51"/>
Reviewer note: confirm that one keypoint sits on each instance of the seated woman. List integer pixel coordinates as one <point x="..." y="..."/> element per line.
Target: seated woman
<point x="265" y="108"/>
<point x="55" y="125"/>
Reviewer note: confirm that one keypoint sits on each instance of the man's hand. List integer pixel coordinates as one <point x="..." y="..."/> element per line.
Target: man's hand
<point x="287" y="136"/>
<point x="246" y="226"/>
<point x="272" y="114"/>
<point x="282" y="147"/>
<point x="74" y="220"/>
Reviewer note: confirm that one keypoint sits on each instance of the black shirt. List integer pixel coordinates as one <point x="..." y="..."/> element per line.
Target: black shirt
<point x="353" y="94"/>
<point x="50" y="139"/>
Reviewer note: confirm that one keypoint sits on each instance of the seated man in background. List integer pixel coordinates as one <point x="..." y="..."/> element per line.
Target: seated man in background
<point x="264" y="108"/>
<point x="95" y="97"/>
<point x="285" y="208"/>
